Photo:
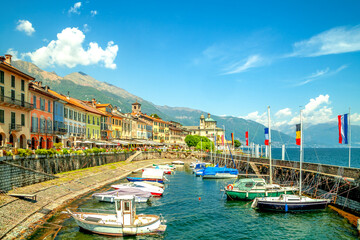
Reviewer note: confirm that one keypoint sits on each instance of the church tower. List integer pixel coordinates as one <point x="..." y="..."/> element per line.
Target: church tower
<point x="136" y="107"/>
<point x="202" y="121"/>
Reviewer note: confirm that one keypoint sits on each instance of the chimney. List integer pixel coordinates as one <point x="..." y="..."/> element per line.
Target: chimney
<point x="8" y="59"/>
<point x="68" y="95"/>
<point x="208" y="115"/>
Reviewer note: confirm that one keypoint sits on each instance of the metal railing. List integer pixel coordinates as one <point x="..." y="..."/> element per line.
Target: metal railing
<point x="15" y="102"/>
<point x="15" y="127"/>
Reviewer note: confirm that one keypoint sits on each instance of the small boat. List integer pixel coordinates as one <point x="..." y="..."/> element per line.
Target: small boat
<point x="199" y="172"/>
<point x="154" y="190"/>
<point x="109" y="196"/>
<point x="166" y="168"/>
<point x="249" y="188"/>
<point x="141" y="179"/>
<point x="150" y="175"/>
<point x="289" y="203"/>
<point x="161" y="185"/>
<point x="123" y="222"/>
<point x="178" y="162"/>
<point x="219" y="173"/>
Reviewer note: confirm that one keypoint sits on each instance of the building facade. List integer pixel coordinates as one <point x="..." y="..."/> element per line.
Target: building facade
<point x="14" y="105"/>
<point x="42" y="134"/>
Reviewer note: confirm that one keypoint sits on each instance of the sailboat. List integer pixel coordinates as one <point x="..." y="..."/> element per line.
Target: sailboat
<point x="289" y="203"/>
<point x="250" y="188"/>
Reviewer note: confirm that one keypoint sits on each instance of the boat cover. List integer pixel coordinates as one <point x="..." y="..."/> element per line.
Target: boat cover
<point x="215" y="170"/>
<point x="125" y="191"/>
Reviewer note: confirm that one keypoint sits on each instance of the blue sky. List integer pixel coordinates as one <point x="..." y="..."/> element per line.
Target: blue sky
<point x="224" y="57"/>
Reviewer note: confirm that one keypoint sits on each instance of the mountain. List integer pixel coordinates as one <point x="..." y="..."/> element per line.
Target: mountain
<point x="82" y="86"/>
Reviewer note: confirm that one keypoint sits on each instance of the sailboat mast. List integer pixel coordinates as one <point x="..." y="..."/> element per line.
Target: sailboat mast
<point x="270" y="160"/>
<point x="349" y="139"/>
<point x="224" y="143"/>
<point x="301" y="152"/>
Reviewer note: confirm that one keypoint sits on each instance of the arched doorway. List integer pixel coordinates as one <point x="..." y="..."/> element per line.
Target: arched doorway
<point x="48" y="143"/>
<point x="22" y="141"/>
<point x="12" y="140"/>
<point x="68" y="143"/>
<point x="57" y="139"/>
<point x="2" y="139"/>
<point x="42" y="143"/>
<point x="33" y="143"/>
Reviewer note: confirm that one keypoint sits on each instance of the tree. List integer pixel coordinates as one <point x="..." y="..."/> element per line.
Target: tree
<point x="205" y="146"/>
<point x="237" y="143"/>
<point x="193" y="140"/>
<point x="154" y="115"/>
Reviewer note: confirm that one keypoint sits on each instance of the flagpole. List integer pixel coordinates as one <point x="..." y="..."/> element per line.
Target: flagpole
<point x="349" y="139"/>
<point x="301" y="152"/>
<point x="269" y="121"/>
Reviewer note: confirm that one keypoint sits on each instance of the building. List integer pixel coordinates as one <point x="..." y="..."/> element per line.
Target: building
<point x="177" y="133"/>
<point x="14" y="105"/>
<point x="207" y="128"/>
<point x="58" y="120"/>
<point x="106" y="120"/>
<point x="74" y="119"/>
<point x="42" y="134"/>
<point x="117" y="120"/>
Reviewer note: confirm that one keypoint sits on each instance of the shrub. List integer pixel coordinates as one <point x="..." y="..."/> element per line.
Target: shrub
<point x="58" y="145"/>
<point x="8" y="153"/>
<point x="65" y="151"/>
<point x="24" y="152"/>
<point x="41" y="152"/>
<point x="95" y="150"/>
<point x="78" y="152"/>
<point x="102" y="150"/>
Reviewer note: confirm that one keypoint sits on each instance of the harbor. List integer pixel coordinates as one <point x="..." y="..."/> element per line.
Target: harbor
<point x="196" y="208"/>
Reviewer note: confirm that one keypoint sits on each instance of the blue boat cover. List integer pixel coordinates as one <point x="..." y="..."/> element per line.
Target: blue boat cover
<point x="214" y="170"/>
<point x="200" y="166"/>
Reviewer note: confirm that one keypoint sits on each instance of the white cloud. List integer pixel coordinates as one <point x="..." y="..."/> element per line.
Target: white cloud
<point x="68" y="51"/>
<point x="320" y="74"/>
<point x="283" y="113"/>
<point x="93" y="13"/>
<point x="251" y="62"/>
<point x="13" y="53"/>
<point x="315" y="112"/>
<point x="334" y="41"/>
<point x="25" y="26"/>
<point x="255" y="116"/>
<point x="86" y="28"/>
<point x="355" y="117"/>
<point x="75" y="8"/>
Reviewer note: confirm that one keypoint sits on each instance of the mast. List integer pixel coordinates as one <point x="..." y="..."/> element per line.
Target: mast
<point x="270" y="160"/>
<point x="301" y="152"/>
<point x="349" y="139"/>
<point x="224" y="143"/>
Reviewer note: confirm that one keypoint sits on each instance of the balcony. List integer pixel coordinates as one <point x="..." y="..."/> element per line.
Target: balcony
<point x="60" y="131"/>
<point x="15" y="127"/>
<point x="34" y="129"/>
<point x="12" y="102"/>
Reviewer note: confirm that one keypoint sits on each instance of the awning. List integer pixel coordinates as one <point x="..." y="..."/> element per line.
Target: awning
<point x="88" y="142"/>
<point x="100" y="143"/>
<point x="121" y="142"/>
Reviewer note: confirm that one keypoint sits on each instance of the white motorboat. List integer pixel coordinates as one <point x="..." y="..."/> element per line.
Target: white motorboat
<point x="178" y="162"/>
<point x="154" y="190"/>
<point x="122" y="222"/>
<point x="140" y="196"/>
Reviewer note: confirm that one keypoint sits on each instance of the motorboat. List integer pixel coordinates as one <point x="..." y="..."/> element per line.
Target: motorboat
<point x="154" y="190"/>
<point x="178" y="162"/>
<point x="250" y="188"/>
<point x="140" y="196"/>
<point x="122" y="222"/>
<point x="219" y="173"/>
<point x="149" y="174"/>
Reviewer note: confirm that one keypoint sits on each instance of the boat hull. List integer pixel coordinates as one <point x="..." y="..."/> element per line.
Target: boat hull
<point x="290" y="207"/>
<point x="220" y="176"/>
<point x="110" y="199"/>
<point x="251" y="195"/>
<point x="138" y="179"/>
<point x="113" y="230"/>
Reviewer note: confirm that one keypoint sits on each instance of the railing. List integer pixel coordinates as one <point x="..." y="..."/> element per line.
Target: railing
<point x="15" y="102"/>
<point x="15" y="127"/>
<point x="60" y="131"/>
<point x="34" y="129"/>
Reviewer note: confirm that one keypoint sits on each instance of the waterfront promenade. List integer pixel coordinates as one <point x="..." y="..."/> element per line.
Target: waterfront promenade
<point x="19" y="218"/>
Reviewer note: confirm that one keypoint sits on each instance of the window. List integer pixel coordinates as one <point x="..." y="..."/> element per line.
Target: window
<point x="71" y="114"/>
<point x="42" y="104"/>
<point x="22" y="99"/>
<point x="88" y="119"/>
<point x="49" y="106"/>
<point x="98" y="123"/>
<point x="2" y="93"/>
<point x="1" y="77"/>
<point x="2" y="116"/>
<point x="34" y="101"/>
<point x="93" y="120"/>
<point x="22" y="85"/>
<point x="66" y="112"/>
<point x="12" y="94"/>
<point x="75" y="116"/>
<point x="12" y="81"/>
<point x="22" y="119"/>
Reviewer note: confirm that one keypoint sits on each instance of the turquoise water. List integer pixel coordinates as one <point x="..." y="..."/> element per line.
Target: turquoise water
<point x="213" y="217"/>
<point x="332" y="156"/>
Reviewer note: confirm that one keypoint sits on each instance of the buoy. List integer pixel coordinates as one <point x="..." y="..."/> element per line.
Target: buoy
<point x="199" y="198"/>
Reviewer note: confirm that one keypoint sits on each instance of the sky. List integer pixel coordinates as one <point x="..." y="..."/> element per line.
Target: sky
<point x="228" y="58"/>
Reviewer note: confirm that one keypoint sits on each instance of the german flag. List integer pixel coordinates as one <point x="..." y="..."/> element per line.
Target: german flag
<point x="298" y="134"/>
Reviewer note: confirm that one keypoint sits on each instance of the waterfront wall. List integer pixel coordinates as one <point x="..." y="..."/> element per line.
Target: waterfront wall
<point x="19" y="172"/>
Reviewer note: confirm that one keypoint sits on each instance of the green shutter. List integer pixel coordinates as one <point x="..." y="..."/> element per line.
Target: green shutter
<point x="22" y="119"/>
<point x="1" y="77"/>
<point x="2" y="120"/>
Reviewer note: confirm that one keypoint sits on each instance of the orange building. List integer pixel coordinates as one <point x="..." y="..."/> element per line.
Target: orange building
<point x="41" y="116"/>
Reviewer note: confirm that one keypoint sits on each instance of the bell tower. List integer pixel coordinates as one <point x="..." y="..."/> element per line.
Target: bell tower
<point x="136" y="107"/>
<point x="202" y="121"/>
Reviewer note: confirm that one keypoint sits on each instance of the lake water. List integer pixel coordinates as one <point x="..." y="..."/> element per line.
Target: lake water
<point x="213" y="217"/>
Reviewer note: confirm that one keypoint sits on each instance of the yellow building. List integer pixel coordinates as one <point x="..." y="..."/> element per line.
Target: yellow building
<point x="15" y="106"/>
<point x="117" y="121"/>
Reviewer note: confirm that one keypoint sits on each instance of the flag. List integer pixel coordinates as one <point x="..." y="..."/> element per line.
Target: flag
<point x="266" y="136"/>
<point x="343" y="129"/>
<point x="298" y="134"/>
<point x="222" y="140"/>
<point x="232" y="138"/>
<point x="247" y="138"/>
